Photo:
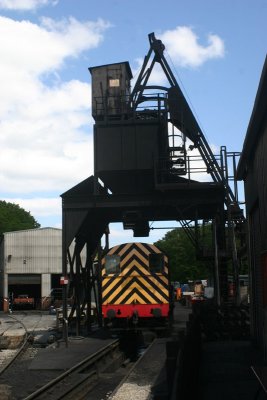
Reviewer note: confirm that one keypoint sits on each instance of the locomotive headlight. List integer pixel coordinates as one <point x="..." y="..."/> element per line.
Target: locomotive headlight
<point x="157" y="312"/>
<point x="111" y="313"/>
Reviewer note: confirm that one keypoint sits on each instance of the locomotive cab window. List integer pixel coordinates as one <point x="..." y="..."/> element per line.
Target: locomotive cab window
<point x="156" y="262"/>
<point x="112" y="264"/>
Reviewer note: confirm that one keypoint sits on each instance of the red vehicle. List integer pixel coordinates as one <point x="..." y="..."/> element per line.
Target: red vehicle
<point x="23" y="301"/>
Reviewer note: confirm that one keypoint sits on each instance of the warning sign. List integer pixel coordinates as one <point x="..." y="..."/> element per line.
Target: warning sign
<point x="64" y="280"/>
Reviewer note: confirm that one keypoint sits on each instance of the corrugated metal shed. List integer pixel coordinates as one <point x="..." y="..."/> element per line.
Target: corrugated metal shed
<point x="33" y="251"/>
<point x="30" y="260"/>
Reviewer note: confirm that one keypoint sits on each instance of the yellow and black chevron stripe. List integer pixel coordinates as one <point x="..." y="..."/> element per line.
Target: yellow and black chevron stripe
<point x="135" y="283"/>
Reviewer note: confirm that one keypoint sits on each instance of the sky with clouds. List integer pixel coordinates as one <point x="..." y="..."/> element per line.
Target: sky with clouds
<point x="216" y="50"/>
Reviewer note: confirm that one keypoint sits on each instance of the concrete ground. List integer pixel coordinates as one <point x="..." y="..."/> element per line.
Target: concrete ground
<point x="40" y="325"/>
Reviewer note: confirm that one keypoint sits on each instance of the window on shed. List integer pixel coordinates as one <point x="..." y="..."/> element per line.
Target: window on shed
<point x="156" y="262"/>
<point x="114" y="82"/>
<point x="112" y="264"/>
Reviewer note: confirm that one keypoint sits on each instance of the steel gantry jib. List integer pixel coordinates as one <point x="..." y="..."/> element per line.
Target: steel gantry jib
<point x="180" y="113"/>
<point x="181" y="117"/>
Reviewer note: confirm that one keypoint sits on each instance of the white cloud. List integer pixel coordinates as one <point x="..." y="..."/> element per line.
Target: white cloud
<point x="39" y="206"/>
<point x="46" y="137"/>
<point x="27" y="171"/>
<point x="183" y="46"/>
<point x="46" y="210"/>
<point x="31" y="50"/>
<point x="25" y="4"/>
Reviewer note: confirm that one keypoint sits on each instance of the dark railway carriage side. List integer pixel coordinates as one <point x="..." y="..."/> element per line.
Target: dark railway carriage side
<point x="252" y="169"/>
<point x="135" y="285"/>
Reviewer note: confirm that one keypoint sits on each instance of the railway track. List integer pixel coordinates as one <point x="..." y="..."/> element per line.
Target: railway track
<point x="8" y="356"/>
<point x="83" y="377"/>
<point x="18" y="329"/>
<point x="96" y="377"/>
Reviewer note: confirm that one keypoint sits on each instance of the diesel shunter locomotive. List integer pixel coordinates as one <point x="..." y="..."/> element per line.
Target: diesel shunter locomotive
<point x="135" y="286"/>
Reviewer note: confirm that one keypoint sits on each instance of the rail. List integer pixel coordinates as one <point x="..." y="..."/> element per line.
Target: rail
<point x="261" y="375"/>
<point x="25" y="342"/>
<point x="58" y="389"/>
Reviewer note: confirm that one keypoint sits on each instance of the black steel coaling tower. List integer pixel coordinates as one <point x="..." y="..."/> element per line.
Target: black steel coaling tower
<point x="142" y="173"/>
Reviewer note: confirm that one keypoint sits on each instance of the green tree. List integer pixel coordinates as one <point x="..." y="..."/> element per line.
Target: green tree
<point x="15" y="218"/>
<point x="184" y="264"/>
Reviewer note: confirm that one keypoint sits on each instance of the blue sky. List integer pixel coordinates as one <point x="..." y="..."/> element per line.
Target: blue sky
<point x="216" y="49"/>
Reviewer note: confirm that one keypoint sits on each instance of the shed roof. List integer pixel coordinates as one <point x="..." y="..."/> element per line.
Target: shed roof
<point x="32" y="230"/>
<point x="126" y="63"/>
